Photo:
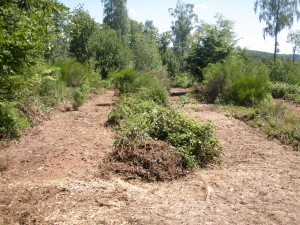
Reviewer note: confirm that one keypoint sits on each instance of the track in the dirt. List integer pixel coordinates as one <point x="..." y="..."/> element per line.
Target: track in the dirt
<point x="52" y="177"/>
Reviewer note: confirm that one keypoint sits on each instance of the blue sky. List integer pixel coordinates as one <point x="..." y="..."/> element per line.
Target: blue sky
<point x="247" y="25"/>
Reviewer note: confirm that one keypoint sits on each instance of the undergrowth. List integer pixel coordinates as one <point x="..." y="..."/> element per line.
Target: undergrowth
<point x="143" y="117"/>
<point x="275" y="119"/>
<point x="286" y="91"/>
<point x="43" y="87"/>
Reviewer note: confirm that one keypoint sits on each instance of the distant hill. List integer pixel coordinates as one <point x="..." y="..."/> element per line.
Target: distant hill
<point x="269" y="56"/>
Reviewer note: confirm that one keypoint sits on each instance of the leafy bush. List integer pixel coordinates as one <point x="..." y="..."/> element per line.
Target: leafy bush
<point x="183" y="80"/>
<point x="146" y="56"/>
<point x="248" y="90"/>
<point x="12" y="120"/>
<point x="146" y="86"/>
<point x="236" y="81"/>
<point x="145" y="120"/>
<point x="108" y="51"/>
<point x="79" y="98"/>
<point x="285" y="72"/>
<point x="157" y="94"/>
<point x="73" y="73"/>
<point x="124" y="80"/>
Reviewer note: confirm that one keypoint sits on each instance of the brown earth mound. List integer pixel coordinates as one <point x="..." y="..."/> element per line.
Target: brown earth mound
<point x="151" y="161"/>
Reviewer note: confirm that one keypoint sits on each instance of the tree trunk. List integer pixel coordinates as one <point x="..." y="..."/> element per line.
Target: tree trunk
<point x="294" y="53"/>
<point x="276" y="29"/>
<point x="275" y="50"/>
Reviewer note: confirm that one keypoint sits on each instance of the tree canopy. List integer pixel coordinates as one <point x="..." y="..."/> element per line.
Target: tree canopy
<point x="182" y="26"/>
<point x="212" y="43"/>
<point x="116" y="15"/>
<point x="277" y="14"/>
<point x="294" y="39"/>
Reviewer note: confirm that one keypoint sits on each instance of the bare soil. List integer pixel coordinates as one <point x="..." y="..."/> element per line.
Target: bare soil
<point x="51" y="176"/>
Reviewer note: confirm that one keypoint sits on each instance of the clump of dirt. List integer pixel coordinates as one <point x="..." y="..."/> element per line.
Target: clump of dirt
<point x="151" y="161"/>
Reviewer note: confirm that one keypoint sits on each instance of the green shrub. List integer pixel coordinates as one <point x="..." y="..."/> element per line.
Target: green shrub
<point x="183" y="80"/>
<point x="12" y="120"/>
<point x="74" y="73"/>
<point x="285" y="91"/>
<point x="79" y="98"/>
<point x="108" y="51"/>
<point x="248" y="90"/>
<point x="236" y="81"/>
<point x="285" y="72"/>
<point x="146" y="86"/>
<point x="124" y="80"/>
<point x="145" y="120"/>
<point x="157" y="94"/>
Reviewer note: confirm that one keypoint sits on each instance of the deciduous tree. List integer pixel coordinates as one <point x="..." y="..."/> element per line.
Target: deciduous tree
<point x="212" y="43"/>
<point x="277" y="14"/>
<point x="81" y="28"/>
<point x="294" y="39"/>
<point x="116" y="15"/>
<point x="182" y="26"/>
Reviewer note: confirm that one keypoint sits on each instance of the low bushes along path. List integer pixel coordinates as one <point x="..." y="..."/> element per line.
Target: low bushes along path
<point x="50" y="176"/>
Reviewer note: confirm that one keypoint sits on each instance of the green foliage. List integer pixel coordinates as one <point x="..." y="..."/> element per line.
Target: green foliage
<point x="116" y="16"/>
<point x="169" y="59"/>
<point x="285" y="71"/>
<point x="124" y="80"/>
<point x="145" y="86"/>
<point x="12" y="120"/>
<point x="79" y="98"/>
<point x="81" y="28"/>
<point x="286" y="91"/>
<point x="212" y="43"/>
<point x="182" y="26"/>
<point x="28" y="30"/>
<point x="22" y="21"/>
<point x="44" y="83"/>
<point x="145" y="120"/>
<point x="73" y="72"/>
<point x="248" y="90"/>
<point x="277" y="15"/>
<point x="108" y="51"/>
<point x="143" y="41"/>
<point x="146" y="56"/>
<point x="183" y="80"/>
<point x="237" y="81"/>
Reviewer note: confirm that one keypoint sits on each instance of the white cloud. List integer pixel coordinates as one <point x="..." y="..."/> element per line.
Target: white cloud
<point x="133" y="13"/>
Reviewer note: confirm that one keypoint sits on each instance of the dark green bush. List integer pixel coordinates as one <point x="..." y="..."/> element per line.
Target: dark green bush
<point x="248" y="90"/>
<point x="236" y="81"/>
<point x="73" y="73"/>
<point x="124" y="80"/>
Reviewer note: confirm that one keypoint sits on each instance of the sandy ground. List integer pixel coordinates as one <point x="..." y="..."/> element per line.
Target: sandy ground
<point x="52" y="176"/>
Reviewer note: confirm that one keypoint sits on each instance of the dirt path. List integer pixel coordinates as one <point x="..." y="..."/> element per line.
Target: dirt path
<point x="52" y="177"/>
